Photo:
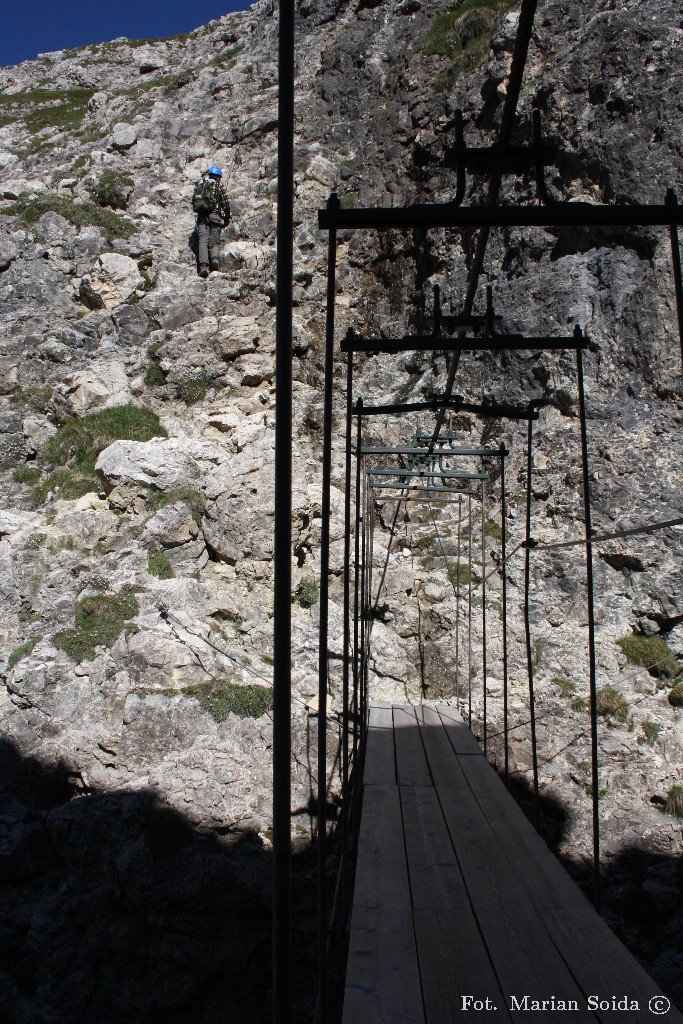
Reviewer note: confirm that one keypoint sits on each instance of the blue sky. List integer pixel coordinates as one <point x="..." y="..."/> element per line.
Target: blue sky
<point x="32" y="28"/>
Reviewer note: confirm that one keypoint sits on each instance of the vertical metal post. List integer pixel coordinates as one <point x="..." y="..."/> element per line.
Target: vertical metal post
<point x="672" y="201"/>
<point x="527" y="622"/>
<point x="588" y="531"/>
<point x="347" y="642"/>
<point x="483" y="603"/>
<point x="333" y="203"/>
<point x="503" y="523"/>
<point x="363" y="615"/>
<point x="469" y="617"/>
<point x="282" y="560"/>
<point x="356" y="766"/>
<point x="457" y="610"/>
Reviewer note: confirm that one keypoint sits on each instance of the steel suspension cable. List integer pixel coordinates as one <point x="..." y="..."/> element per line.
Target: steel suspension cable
<point x="457" y="611"/>
<point x="590" y="597"/>
<point x="483" y="603"/>
<point x="527" y="622"/>
<point x="356" y="610"/>
<point x="503" y="517"/>
<point x="346" y="642"/>
<point x="469" y="617"/>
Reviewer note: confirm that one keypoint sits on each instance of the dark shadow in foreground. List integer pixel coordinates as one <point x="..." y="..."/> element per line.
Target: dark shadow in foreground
<point x="113" y="909"/>
<point x="641" y="891"/>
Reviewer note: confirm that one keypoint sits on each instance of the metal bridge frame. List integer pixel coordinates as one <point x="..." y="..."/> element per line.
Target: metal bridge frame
<point x="498" y="159"/>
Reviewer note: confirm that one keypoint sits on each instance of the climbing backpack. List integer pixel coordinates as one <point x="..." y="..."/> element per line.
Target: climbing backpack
<point x="205" y="196"/>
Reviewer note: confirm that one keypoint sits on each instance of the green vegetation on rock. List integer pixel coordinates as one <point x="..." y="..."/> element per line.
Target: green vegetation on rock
<point x="675" y="696"/>
<point x="566" y="685"/>
<point x="72" y="451"/>
<point x="98" y="621"/>
<point x="458" y="572"/>
<point x="462" y="35"/>
<point x="306" y="593"/>
<point x="47" y="108"/>
<point x="650" y="732"/>
<point x="221" y="698"/>
<point x="652" y="652"/>
<point x="23" y="650"/>
<point x="611" y="704"/>
<point x="29" y="209"/>
<point x="674" y="801"/>
<point x="112" y="189"/>
<point x="191" y="497"/>
<point x="159" y="564"/>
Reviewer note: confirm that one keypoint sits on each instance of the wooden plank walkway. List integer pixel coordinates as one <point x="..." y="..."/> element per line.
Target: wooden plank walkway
<point x="460" y="911"/>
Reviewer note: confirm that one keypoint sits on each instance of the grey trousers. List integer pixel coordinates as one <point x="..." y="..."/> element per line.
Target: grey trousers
<point x="209" y="240"/>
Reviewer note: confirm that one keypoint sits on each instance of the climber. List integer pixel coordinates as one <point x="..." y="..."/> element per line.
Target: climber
<point x="210" y="203"/>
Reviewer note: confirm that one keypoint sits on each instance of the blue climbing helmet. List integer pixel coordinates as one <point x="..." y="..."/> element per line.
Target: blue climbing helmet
<point x="215" y="170"/>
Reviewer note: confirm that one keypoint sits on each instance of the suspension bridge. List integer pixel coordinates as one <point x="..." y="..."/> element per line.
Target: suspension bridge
<point x="459" y="910"/>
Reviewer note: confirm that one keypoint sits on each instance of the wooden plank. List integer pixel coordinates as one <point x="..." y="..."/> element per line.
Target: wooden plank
<point x="516" y="941"/>
<point x="454" y="961"/>
<point x="383" y="979"/>
<point x="457" y="975"/>
<point x="526" y="962"/>
<point x="380" y="764"/>
<point x="411" y="763"/>
<point x="601" y="964"/>
<point x="461" y="737"/>
<point x="435" y="877"/>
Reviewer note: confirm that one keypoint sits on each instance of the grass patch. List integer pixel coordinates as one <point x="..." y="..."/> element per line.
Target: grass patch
<point x="579" y="704"/>
<point x="112" y="189"/>
<point x="26" y="474"/>
<point x="159" y="564"/>
<point x="98" y="621"/>
<point x="193" y="388"/>
<point x="348" y="200"/>
<point x="495" y="530"/>
<point x="12" y="451"/>
<point x="462" y="35"/>
<point x="652" y="652"/>
<point x="47" y="108"/>
<point x="194" y="499"/>
<point x="306" y="593"/>
<point x="23" y="650"/>
<point x="78" y="442"/>
<point x="458" y="572"/>
<point x="566" y="685"/>
<point x="675" y="696"/>
<point x="222" y="698"/>
<point x="35" y="541"/>
<point x="154" y="375"/>
<point x="37" y="399"/>
<point x="611" y="704"/>
<point x="29" y="209"/>
<point x="674" y="802"/>
<point x="650" y="732"/>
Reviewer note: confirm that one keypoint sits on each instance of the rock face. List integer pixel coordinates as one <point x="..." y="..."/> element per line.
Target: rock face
<point x="102" y="310"/>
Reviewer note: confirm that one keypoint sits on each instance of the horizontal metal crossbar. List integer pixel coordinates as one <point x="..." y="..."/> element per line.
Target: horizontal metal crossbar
<point x="426" y="490"/>
<point x="443" y="475"/>
<point x="447" y="215"/>
<point x="507" y="412"/>
<point x="405" y="497"/>
<point x="353" y="342"/>
<point x="408" y="450"/>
